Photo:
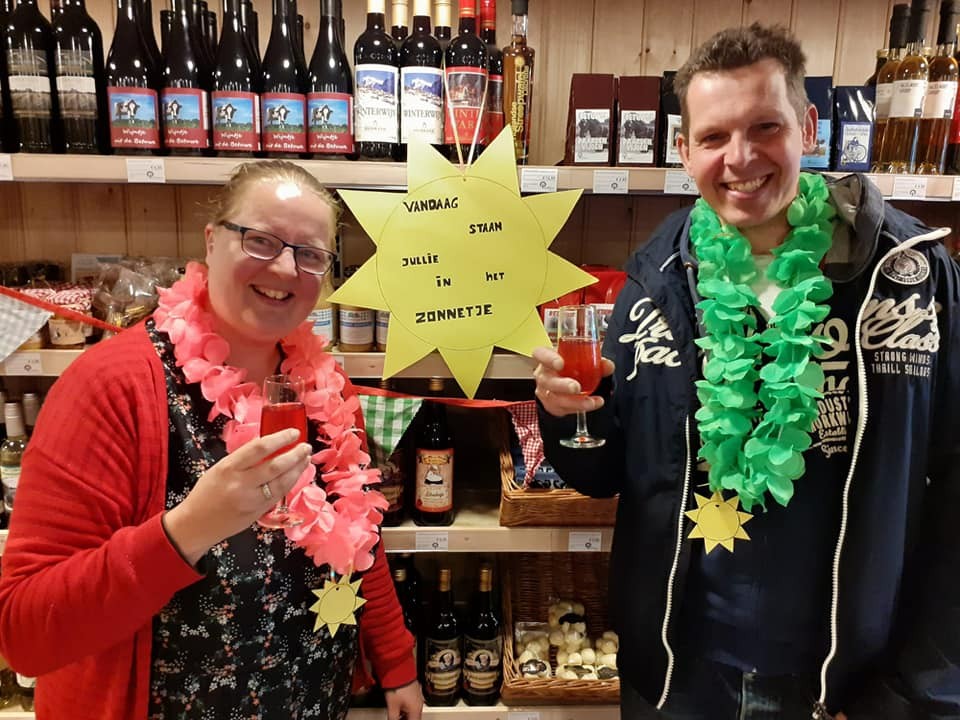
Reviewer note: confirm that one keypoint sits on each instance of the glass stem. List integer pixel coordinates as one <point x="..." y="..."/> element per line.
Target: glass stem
<point x="582" y="425"/>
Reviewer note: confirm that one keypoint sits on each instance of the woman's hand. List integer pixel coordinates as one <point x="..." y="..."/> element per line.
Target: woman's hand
<point x="405" y="702"/>
<point x="232" y="494"/>
<point x="561" y="395"/>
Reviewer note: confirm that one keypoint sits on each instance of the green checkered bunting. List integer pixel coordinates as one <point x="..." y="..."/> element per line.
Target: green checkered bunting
<point x="387" y="418"/>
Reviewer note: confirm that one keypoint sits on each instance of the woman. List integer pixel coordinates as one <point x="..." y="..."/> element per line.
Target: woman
<point x="136" y="581"/>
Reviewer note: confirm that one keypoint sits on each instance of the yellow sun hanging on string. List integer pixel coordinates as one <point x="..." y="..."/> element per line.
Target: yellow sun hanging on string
<point x="718" y="521"/>
<point x="461" y="261"/>
<point x="337" y="603"/>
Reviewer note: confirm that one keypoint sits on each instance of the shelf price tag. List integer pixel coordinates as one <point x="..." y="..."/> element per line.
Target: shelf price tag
<point x="677" y="182"/>
<point x="956" y="189"/>
<point x="909" y="187"/>
<point x="523" y="716"/>
<point x="6" y="168"/>
<point x="433" y="541"/>
<point x="146" y="170"/>
<point x="23" y="363"/>
<point x="611" y="182"/>
<point x="585" y="542"/>
<point x="538" y="180"/>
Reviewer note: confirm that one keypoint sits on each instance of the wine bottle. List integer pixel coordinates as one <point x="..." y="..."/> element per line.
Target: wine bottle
<point x="441" y="653"/>
<point x="298" y="39"/>
<point x="899" y="151"/>
<point x="8" y="139"/>
<point x="185" y="98"/>
<point x="211" y="32"/>
<point x="518" y="63"/>
<point x="11" y="453"/>
<point x="236" y="90"/>
<point x="941" y="96"/>
<point x="399" y="31"/>
<point x="407" y="603"/>
<point x="284" y="101"/>
<point x="882" y="55"/>
<point x="197" y="22"/>
<point x="393" y="477"/>
<point x="330" y="97"/>
<point x="248" y="20"/>
<point x="144" y="13"/>
<point x="81" y="83"/>
<point x="442" y="29"/>
<point x="166" y="25"/>
<point x="421" y="83"/>
<point x="482" y="646"/>
<point x="132" y="84"/>
<point x="29" y="46"/>
<point x="899" y="29"/>
<point x="493" y="115"/>
<point x="375" y="60"/>
<point x="466" y="85"/>
<point x="433" y="502"/>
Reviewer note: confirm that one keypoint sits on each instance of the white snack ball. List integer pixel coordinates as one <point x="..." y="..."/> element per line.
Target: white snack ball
<point x="526" y="656"/>
<point x="574" y="658"/>
<point x="609" y="660"/>
<point x="608" y="647"/>
<point x="562" y="658"/>
<point x="589" y="657"/>
<point x="544" y="645"/>
<point x="556" y="638"/>
<point x="580" y="627"/>
<point x="578" y="608"/>
<point x="569" y="675"/>
<point x="590" y="676"/>
<point x="611" y="635"/>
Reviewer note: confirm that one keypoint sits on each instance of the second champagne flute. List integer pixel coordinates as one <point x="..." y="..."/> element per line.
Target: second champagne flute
<point x="283" y="408"/>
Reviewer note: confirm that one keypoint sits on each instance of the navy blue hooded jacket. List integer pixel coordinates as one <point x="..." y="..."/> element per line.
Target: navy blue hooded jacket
<point x="893" y="617"/>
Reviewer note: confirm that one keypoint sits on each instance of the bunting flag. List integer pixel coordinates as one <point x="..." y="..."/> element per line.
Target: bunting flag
<point x="18" y="322"/>
<point x="386" y="419"/>
<point x="527" y="426"/>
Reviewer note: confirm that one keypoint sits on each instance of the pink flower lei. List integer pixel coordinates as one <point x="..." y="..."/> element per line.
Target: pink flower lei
<point x="341" y="533"/>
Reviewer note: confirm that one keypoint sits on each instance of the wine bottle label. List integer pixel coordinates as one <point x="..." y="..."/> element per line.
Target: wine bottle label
<point x="434" y="480"/>
<point x="356" y="327"/>
<point x="29" y="83"/>
<point x="519" y="110"/>
<point x="494" y="111"/>
<point x="939" y="100"/>
<point x="27" y="683"/>
<point x="442" y="671"/>
<point x="884" y="97"/>
<point x="637" y="131"/>
<point x="76" y="86"/>
<point x="465" y="93"/>
<point x="376" y="103"/>
<point x="283" y="122"/>
<point x="133" y="118"/>
<point x="421" y="105"/>
<point x="186" y="123"/>
<point x="236" y="121"/>
<point x="673" y="132"/>
<point x="592" y="140"/>
<point x="481" y="666"/>
<point x="10" y="477"/>
<point x="907" y="99"/>
<point x="854" y="146"/>
<point x="383" y="326"/>
<point x="392" y="481"/>
<point x="330" y="130"/>
<point x="321" y="323"/>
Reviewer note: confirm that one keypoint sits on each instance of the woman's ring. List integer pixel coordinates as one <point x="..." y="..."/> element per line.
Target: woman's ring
<point x="265" y="488"/>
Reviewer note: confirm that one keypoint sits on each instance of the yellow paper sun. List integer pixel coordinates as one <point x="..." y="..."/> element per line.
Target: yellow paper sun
<point x="461" y="261"/>
<point x="718" y="521"/>
<point x="337" y="603"/>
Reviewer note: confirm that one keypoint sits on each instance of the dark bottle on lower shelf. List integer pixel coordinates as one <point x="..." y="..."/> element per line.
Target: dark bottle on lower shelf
<point x="482" y="646"/>
<point x="433" y="495"/>
<point x="441" y="654"/>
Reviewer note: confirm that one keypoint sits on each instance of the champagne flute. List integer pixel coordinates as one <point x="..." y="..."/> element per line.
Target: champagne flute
<point x="578" y="342"/>
<point x="283" y="408"/>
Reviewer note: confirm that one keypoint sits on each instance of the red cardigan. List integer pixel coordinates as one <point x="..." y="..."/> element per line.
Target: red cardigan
<point x="87" y="563"/>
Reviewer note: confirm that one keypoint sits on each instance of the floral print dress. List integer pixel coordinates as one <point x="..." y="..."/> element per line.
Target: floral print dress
<point x="239" y="643"/>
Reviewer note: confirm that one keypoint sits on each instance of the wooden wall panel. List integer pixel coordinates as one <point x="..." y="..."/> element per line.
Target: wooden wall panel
<point x="11" y="223"/>
<point x="192" y="212"/>
<point x="570" y="239"/>
<point x="617" y="37"/>
<point x="49" y="220"/>
<point x="101" y="218"/>
<point x="862" y="29"/>
<point x="151" y="214"/>
<point x="768" y="12"/>
<point x="608" y="221"/>
<point x="809" y="20"/>
<point x="667" y="34"/>
<point x="709" y="16"/>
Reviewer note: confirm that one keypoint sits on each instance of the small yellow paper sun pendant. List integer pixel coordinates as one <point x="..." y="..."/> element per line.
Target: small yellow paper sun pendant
<point x="337" y="603"/>
<point x="718" y="521"/>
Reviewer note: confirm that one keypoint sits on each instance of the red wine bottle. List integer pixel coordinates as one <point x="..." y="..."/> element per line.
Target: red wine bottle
<point x="198" y="23"/>
<point x="186" y="86"/>
<point x="236" y="89"/>
<point x="210" y="32"/>
<point x="144" y="10"/>
<point x="166" y="25"/>
<point x="298" y="35"/>
<point x="283" y="102"/>
<point x="421" y="84"/>
<point x="330" y="100"/>
<point x="81" y="83"/>
<point x="493" y="113"/>
<point x="375" y="58"/>
<point x="442" y="30"/>
<point x="132" y="84"/>
<point x="251" y="29"/>
<point x="466" y="85"/>
<point x="8" y="139"/>
<point x="399" y="30"/>
<point x="28" y="44"/>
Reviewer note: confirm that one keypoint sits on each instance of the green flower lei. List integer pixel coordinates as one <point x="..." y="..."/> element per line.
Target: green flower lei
<point x="756" y="415"/>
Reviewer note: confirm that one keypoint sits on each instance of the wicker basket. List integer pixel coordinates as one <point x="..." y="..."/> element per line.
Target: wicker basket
<point x="534" y="506"/>
<point x="532" y="582"/>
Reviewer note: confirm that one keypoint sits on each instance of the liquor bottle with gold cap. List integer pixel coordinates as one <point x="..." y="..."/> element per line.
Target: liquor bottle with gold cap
<point x="941" y="96"/>
<point x="482" y="646"/>
<point x="899" y="27"/>
<point x="441" y="647"/>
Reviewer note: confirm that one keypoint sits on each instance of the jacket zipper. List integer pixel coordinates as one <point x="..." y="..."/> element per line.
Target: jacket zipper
<point x="668" y="611"/>
<point x="820" y="708"/>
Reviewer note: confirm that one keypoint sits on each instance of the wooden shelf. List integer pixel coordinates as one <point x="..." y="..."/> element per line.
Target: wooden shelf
<point x="345" y="174"/>
<point x="503" y="366"/>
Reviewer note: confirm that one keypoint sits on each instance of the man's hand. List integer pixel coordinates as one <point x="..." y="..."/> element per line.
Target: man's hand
<point x="405" y="702"/>
<point x="561" y="395"/>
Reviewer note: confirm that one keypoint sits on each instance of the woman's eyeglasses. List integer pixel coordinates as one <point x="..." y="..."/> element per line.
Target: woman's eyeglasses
<point x="264" y="246"/>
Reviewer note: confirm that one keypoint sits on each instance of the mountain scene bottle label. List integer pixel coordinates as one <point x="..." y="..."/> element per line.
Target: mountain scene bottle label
<point x="185" y="121"/>
<point x="76" y="85"/>
<point x="133" y="118"/>
<point x="283" y="122"/>
<point x="331" y="123"/>
<point x="236" y="121"/>
<point x="421" y="107"/>
<point x="29" y="83"/>
<point x="466" y="87"/>
<point x="376" y="114"/>
<point x="434" y="482"/>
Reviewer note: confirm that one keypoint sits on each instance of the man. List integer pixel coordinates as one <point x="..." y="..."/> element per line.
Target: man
<point x="841" y="596"/>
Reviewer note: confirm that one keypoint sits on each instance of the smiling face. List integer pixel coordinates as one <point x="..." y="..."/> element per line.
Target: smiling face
<point x="744" y="144"/>
<point x="257" y="302"/>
